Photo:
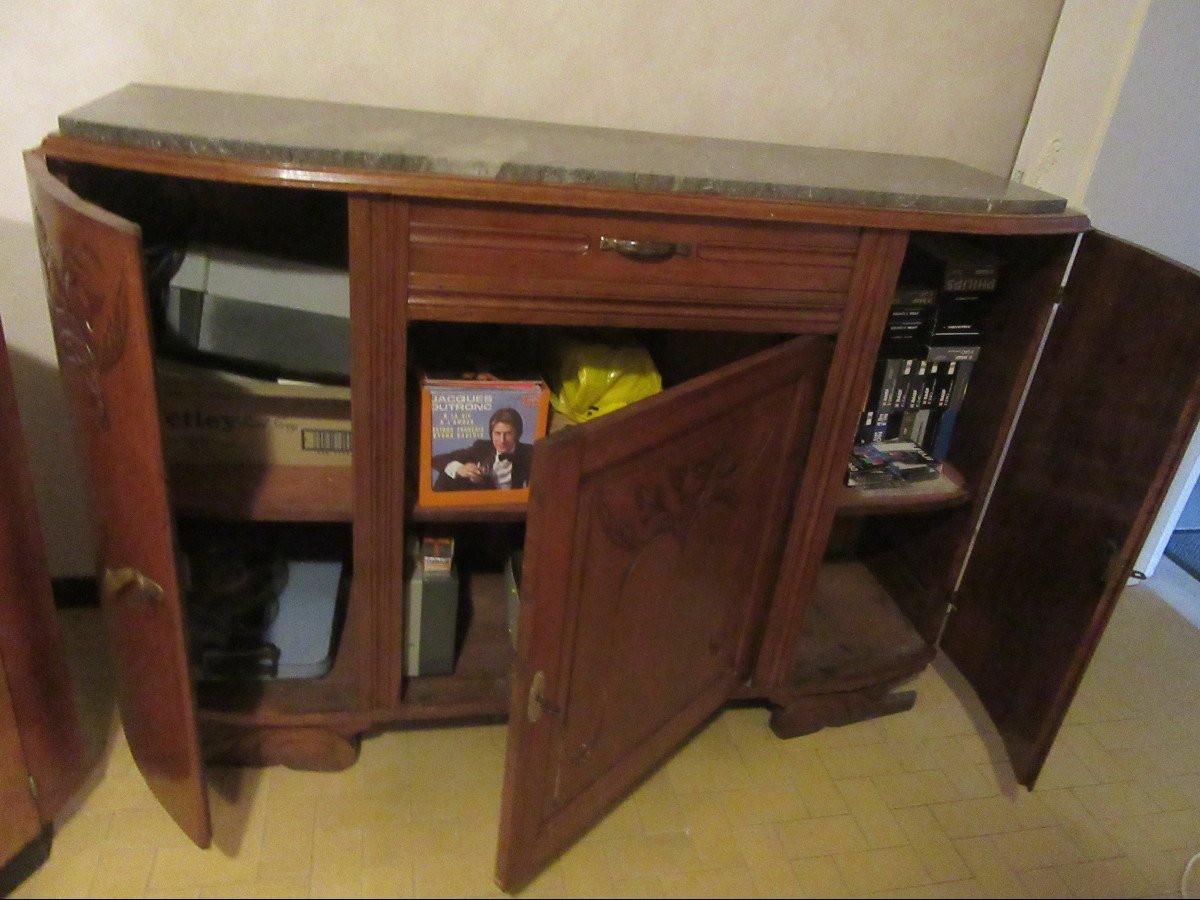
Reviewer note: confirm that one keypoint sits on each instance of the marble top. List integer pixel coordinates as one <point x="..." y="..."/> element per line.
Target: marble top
<point x="318" y="133"/>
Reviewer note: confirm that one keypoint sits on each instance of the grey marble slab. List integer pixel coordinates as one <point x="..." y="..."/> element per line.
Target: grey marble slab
<point x="319" y="133"/>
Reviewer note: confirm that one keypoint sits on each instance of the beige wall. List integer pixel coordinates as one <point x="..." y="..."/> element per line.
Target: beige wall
<point x="951" y="78"/>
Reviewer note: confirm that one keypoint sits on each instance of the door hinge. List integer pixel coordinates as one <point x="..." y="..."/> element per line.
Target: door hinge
<point x="33" y="788"/>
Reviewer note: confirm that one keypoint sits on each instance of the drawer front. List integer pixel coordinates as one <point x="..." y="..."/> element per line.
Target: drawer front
<point x="478" y="261"/>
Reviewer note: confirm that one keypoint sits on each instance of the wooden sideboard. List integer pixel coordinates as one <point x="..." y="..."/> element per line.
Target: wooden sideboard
<point x="690" y="549"/>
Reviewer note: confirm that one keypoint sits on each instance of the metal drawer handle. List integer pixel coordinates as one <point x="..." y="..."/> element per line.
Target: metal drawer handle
<point x="645" y="250"/>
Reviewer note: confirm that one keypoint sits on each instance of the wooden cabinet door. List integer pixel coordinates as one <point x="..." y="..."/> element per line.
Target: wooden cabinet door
<point x="92" y="261"/>
<point x="1105" y="423"/>
<point x="24" y="843"/>
<point x="39" y="695"/>
<point x="652" y="547"/>
<point x="42" y="761"/>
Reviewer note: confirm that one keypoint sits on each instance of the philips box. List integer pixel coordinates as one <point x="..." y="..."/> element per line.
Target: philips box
<point x="269" y="313"/>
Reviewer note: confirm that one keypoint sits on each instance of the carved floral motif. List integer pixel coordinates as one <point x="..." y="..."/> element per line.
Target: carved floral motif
<point x="90" y="323"/>
<point x="672" y="503"/>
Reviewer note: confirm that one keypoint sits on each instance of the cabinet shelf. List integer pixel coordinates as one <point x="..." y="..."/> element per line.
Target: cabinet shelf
<point x="514" y="512"/>
<point x="272" y="493"/>
<point x="947" y="490"/>
<point x="479" y="685"/>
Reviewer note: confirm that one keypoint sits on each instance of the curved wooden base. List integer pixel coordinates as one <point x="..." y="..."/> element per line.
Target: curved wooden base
<point x="804" y="715"/>
<point x="310" y="749"/>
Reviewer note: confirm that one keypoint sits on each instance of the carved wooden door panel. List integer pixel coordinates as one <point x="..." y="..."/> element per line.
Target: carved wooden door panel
<point x="1106" y="421"/>
<point x="92" y="261"/>
<point x="653" y="541"/>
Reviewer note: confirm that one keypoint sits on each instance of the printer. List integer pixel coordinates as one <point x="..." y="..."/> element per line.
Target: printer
<point x="271" y="315"/>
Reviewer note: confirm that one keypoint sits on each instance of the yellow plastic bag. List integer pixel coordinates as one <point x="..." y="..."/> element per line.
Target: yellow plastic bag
<point x="591" y="378"/>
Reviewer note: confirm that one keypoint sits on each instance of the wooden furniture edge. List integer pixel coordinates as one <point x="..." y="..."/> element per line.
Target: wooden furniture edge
<point x="447" y="187"/>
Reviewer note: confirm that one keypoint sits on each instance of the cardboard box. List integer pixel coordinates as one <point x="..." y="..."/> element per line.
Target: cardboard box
<point x="459" y="465"/>
<point x="210" y="416"/>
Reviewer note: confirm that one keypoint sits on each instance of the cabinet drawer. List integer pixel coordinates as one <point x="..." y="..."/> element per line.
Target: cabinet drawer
<point x="531" y="264"/>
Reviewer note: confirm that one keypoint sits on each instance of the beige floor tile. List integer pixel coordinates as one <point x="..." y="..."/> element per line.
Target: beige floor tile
<point x="1037" y="848"/>
<point x="1166" y="759"/>
<point x="988" y="867"/>
<point x="871" y="731"/>
<point x="1137" y="733"/>
<point x="177" y="868"/>
<point x="624" y="821"/>
<point x="949" y="889"/>
<point x="819" y="877"/>
<point x="874" y="819"/>
<point x="1174" y="830"/>
<point x="972" y="782"/>
<point x="1116" y="800"/>
<point x="860" y="761"/>
<point x="652" y="855"/>
<point x="716" y="883"/>
<point x="912" y="753"/>
<point x="1174" y="791"/>
<point x="1164" y="872"/>
<point x="813" y="783"/>
<point x="915" y="789"/>
<point x="920" y="804"/>
<point x="1109" y="766"/>
<point x="708" y="826"/>
<point x="821" y="837"/>
<point x="1064" y="769"/>
<point x="693" y="772"/>
<point x="1044" y="883"/>
<point x="757" y="806"/>
<point x="767" y="861"/>
<point x="659" y="807"/>
<point x="281" y="886"/>
<point x="976" y="817"/>
<point x="934" y="849"/>
<point x="885" y="869"/>
<point x="67" y="874"/>
<point x="122" y="872"/>
<point x="584" y="871"/>
<point x="1106" y="878"/>
<point x="337" y="863"/>
<point x="453" y="875"/>
<point x="1088" y="834"/>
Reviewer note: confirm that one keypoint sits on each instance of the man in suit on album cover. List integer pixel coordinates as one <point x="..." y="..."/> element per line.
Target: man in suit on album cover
<point x="502" y="463"/>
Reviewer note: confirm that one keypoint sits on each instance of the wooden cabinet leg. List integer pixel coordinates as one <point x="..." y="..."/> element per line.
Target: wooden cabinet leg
<point x="804" y="715"/>
<point x="310" y="749"/>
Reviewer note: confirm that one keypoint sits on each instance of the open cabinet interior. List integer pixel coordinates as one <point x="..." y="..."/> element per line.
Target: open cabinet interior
<point x="461" y="620"/>
<point x="256" y="443"/>
<point x="895" y="554"/>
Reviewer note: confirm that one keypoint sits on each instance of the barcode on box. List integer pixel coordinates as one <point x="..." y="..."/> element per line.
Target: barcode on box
<point x="325" y="440"/>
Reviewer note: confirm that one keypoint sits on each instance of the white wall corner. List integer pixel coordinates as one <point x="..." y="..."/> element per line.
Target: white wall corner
<point x="1081" y="82"/>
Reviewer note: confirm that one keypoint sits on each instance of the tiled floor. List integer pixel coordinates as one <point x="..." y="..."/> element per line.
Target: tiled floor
<point x="914" y="805"/>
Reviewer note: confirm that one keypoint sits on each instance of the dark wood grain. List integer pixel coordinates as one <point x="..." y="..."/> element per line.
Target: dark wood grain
<point x="648" y="555"/>
<point x="92" y="261"/>
<point x="1106" y="421"/>
<point x="39" y="696"/>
